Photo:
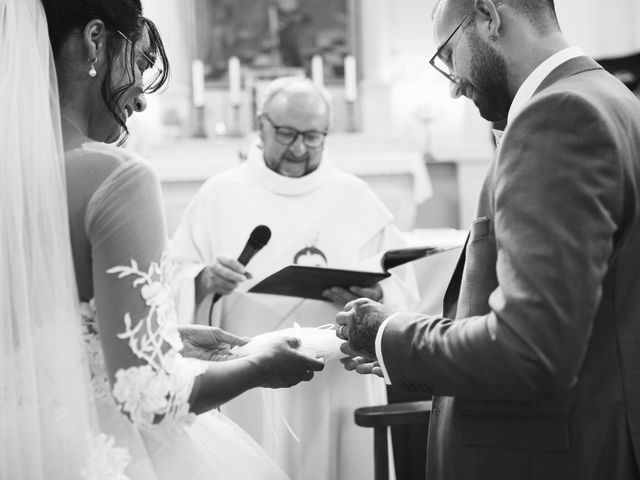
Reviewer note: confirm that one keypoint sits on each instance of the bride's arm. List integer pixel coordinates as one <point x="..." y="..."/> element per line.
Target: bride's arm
<point x="150" y="378"/>
<point x="279" y="364"/>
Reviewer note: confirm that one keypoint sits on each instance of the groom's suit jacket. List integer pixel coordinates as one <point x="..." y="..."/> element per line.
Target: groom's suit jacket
<point x="536" y="362"/>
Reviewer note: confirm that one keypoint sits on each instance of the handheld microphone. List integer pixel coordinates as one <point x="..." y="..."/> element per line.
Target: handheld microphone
<point x="259" y="237"/>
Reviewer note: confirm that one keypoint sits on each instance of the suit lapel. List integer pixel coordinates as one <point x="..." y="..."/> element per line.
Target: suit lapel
<point x="450" y="301"/>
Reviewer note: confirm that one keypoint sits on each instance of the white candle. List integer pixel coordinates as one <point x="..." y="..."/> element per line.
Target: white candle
<point x="235" y="81"/>
<point x="317" y="70"/>
<point x="273" y="22"/>
<point x="350" y="81"/>
<point x="197" y="83"/>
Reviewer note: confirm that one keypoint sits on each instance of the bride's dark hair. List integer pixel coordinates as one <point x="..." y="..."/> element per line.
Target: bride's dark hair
<point x="65" y="17"/>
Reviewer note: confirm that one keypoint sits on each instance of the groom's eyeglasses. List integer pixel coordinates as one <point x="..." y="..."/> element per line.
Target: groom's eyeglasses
<point x="437" y="62"/>
<point x="151" y="73"/>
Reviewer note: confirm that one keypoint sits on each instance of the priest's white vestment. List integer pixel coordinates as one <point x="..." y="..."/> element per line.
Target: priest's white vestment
<point x="326" y="218"/>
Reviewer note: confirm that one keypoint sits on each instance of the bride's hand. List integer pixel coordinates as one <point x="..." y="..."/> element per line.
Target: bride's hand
<point x="208" y="343"/>
<point x="281" y="360"/>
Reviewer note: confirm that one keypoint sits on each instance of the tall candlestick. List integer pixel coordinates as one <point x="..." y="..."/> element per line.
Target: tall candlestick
<point x="235" y="81"/>
<point x="350" y="80"/>
<point x="197" y="83"/>
<point x="317" y="70"/>
<point x="273" y="22"/>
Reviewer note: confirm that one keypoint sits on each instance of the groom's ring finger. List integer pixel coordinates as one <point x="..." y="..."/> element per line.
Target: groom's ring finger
<point x="341" y="332"/>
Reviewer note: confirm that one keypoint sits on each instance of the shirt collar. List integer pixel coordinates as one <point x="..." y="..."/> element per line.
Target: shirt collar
<point x="535" y="79"/>
<point x="256" y="167"/>
<point x="497" y="135"/>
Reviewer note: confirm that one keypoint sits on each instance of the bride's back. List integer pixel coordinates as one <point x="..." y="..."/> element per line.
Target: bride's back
<point x="105" y="186"/>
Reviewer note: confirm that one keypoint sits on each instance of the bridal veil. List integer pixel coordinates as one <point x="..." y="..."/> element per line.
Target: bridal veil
<point x="45" y="410"/>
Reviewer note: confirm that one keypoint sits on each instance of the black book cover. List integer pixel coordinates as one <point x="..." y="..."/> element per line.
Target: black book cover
<point x="309" y="282"/>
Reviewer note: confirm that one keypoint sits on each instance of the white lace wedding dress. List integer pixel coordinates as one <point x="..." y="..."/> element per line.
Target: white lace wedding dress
<point x="130" y="333"/>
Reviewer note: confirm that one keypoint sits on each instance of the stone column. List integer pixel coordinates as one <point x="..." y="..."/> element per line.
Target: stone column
<point x="175" y="20"/>
<point x="373" y="54"/>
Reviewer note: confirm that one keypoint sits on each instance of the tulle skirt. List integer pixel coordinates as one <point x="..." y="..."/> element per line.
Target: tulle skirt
<point x="211" y="447"/>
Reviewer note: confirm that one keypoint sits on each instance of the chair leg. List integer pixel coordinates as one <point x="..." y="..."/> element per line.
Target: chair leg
<point x="380" y="417"/>
<point x="381" y="459"/>
<point x="409" y="441"/>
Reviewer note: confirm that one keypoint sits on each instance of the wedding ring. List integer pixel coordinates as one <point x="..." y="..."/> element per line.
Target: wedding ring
<point x="341" y="332"/>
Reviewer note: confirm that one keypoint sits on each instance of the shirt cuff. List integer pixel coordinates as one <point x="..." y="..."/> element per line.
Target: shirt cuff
<point x="378" y="346"/>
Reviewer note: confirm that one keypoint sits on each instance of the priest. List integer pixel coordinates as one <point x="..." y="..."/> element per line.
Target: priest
<point x="319" y="216"/>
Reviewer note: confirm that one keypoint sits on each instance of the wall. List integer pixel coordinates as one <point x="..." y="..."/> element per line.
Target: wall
<point x="601" y="28"/>
<point x="401" y="96"/>
<point x="423" y="112"/>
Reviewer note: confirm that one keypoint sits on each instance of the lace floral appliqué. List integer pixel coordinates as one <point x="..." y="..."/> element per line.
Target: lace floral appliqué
<point x="99" y="380"/>
<point x="159" y="389"/>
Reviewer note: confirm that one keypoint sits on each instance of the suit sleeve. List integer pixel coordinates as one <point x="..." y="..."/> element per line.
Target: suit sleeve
<point x="557" y="206"/>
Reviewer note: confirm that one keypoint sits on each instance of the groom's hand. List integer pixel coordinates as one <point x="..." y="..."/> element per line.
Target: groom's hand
<point x="359" y="363"/>
<point x="359" y="324"/>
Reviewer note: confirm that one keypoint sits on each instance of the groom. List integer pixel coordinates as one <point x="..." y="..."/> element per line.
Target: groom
<point x="536" y="362"/>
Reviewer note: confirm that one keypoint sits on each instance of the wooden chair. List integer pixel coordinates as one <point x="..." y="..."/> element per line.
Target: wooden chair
<point x="380" y="418"/>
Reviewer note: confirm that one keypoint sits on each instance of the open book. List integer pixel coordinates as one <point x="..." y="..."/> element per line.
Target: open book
<point x="309" y="282"/>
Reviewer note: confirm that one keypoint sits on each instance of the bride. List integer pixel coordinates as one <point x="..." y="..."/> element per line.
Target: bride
<point x="146" y="395"/>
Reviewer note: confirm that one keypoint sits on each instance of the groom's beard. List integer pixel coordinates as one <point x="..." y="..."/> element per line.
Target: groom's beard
<point x="489" y="81"/>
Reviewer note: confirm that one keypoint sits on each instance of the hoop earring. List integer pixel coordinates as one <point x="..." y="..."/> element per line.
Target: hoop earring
<point x="92" y="67"/>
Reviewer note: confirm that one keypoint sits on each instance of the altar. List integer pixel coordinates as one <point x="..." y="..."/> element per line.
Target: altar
<point x="395" y="172"/>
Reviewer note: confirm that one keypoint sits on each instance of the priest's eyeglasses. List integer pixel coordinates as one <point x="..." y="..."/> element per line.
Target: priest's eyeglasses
<point x="151" y="73"/>
<point x="438" y="62"/>
<point x="288" y="135"/>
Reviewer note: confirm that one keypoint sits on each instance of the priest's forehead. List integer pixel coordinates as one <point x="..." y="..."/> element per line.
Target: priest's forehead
<point x="297" y="98"/>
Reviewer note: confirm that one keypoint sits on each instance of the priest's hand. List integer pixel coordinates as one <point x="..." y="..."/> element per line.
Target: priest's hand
<point x="358" y="323"/>
<point x="208" y="343"/>
<point x="341" y="297"/>
<point x="221" y="277"/>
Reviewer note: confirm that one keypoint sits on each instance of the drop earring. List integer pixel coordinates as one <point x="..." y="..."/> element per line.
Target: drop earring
<point x="493" y="37"/>
<point x="92" y="67"/>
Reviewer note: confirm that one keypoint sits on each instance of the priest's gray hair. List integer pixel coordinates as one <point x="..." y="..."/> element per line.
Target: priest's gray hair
<point x="285" y="83"/>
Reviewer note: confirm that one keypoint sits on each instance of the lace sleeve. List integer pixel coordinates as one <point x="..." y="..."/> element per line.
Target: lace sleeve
<point x="151" y="380"/>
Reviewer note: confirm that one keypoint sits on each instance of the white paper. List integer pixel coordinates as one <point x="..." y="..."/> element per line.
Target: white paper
<point x="317" y="342"/>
